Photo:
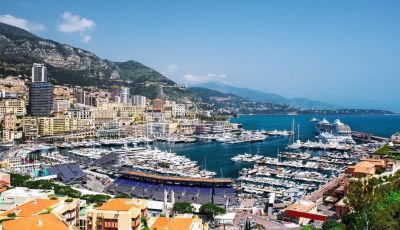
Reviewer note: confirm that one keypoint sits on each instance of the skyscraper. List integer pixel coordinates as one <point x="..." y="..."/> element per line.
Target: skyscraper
<point x="41" y="93"/>
<point x="41" y="99"/>
<point x="39" y="73"/>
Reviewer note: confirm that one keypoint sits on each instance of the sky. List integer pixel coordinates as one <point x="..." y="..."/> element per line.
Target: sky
<point x="341" y="52"/>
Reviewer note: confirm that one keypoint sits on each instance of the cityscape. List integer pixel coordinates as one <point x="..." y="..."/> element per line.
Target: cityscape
<point x="88" y="143"/>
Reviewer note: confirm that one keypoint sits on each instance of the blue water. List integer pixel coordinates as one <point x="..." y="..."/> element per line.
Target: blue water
<point x="216" y="156"/>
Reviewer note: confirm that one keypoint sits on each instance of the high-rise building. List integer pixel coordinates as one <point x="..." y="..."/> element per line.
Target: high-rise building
<point x="139" y="100"/>
<point x="124" y="94"/>
<point x="41" y="99"/>
<point x="39" y="73"/>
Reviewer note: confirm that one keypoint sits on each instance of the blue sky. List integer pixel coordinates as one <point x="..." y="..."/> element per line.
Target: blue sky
<point x="342" y="52"/>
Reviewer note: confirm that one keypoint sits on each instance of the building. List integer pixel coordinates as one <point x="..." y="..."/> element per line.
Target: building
<point x="117" y="214"/>
<point x="41" y="99"/>
<point x="124" y="95"/>
<point x="185" y="222"/>
<point x="39" y="73"/>
<point x="158" y="105"/>
<point x="395" y="138"/>
<point x="45" y="126"/>
<point x="13" y="106"/>
<point x="20" y="195"/>
<point x="67" y="209"/>
<point x="139" y="100"/>
<point x="303" y="212"/>
<point x="366" y="168"/>
<point x="10" y="135"/>
<point x="30" y="127"/>
<point x="39" y="222"/>
<point x="9" y="121"/>
<point x="178" y="110"/>
<point x="61" y="105"/>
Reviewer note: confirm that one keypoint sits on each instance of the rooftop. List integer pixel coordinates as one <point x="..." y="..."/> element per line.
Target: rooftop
<point x="122" y="204"/>
<point x="40" y="222"/>
<point x="172" y="223"/>
<point x="31" y="208"/>
<point x="302" y="206"/>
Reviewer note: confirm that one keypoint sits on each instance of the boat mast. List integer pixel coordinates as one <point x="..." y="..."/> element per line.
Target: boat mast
<point x="293" y="131"/>
<point x="298" y="132"/>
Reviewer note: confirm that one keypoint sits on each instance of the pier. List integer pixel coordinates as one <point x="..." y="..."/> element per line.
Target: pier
<point x="360" y="136"/>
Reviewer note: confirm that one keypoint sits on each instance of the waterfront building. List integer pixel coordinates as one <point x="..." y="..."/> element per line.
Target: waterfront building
<point x="178" y="110"/>
<point x="41" y="99"/>
<point x="10" y="135"/>
<point x="117" y="213"/>
<point x="395" y="138"/>
<point x="45" y="126"/>
<point x="60" y="124"/>
<point x="30" y="127"/>
<point x="139" y="100"/>
<point x="9" y="121"/>
<point x="156" y="129"/>
<point x="39" y="73"/>
<point x="20" y="195"/>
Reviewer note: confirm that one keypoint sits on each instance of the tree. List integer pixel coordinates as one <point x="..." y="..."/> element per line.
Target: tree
<point x="182" y="207"/>
<point x="18" y="180"/>
<point x="144" y="223"/>
<point x="211" y="209"/>
<point x="331" y="225"/>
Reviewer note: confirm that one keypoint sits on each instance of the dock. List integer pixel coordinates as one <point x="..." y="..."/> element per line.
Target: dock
<point x="360" y="136"/>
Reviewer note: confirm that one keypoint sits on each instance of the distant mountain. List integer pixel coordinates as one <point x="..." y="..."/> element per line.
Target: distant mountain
<point x="264" y="97"/>
<point x="19" y="49"/>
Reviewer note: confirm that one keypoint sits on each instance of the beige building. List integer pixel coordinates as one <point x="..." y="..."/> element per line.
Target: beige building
<point x="45" y="126"/>
<point x="66" y="209"/>
<point x="30" y="127"/>
<point x="10" y="135"/>
<point x="9" y="121"/>
<point x="13" y="106"/>
<point x="117" y="214"/>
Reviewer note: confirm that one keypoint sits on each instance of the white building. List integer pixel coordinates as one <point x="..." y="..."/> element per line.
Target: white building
<point x="39" y="73"/>
<point x="178" y="110"/>
<point x="139" y="101"/>
<point x="60" y="105"/>
<point x="20" y="195"/>
<point x="124" y="94"/>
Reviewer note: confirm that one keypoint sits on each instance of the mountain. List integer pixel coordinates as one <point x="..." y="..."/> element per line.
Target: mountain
<point x="227" y="103"/>
<point x="264" y="97"/>
<point x="19" y="49"/>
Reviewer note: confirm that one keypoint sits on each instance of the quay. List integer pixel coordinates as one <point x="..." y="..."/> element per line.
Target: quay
<point x="360" y="136"/>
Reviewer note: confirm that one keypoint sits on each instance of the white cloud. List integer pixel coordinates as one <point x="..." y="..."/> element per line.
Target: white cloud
<point x="204" y="78"/>
<point x="86" y="38"/>
<point x="75" y="23"/>
<point x="172" y="68"/>
<point x="22" y="23"/>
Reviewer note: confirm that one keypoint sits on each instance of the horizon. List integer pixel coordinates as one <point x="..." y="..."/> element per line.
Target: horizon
<point x="324" y="51"/>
